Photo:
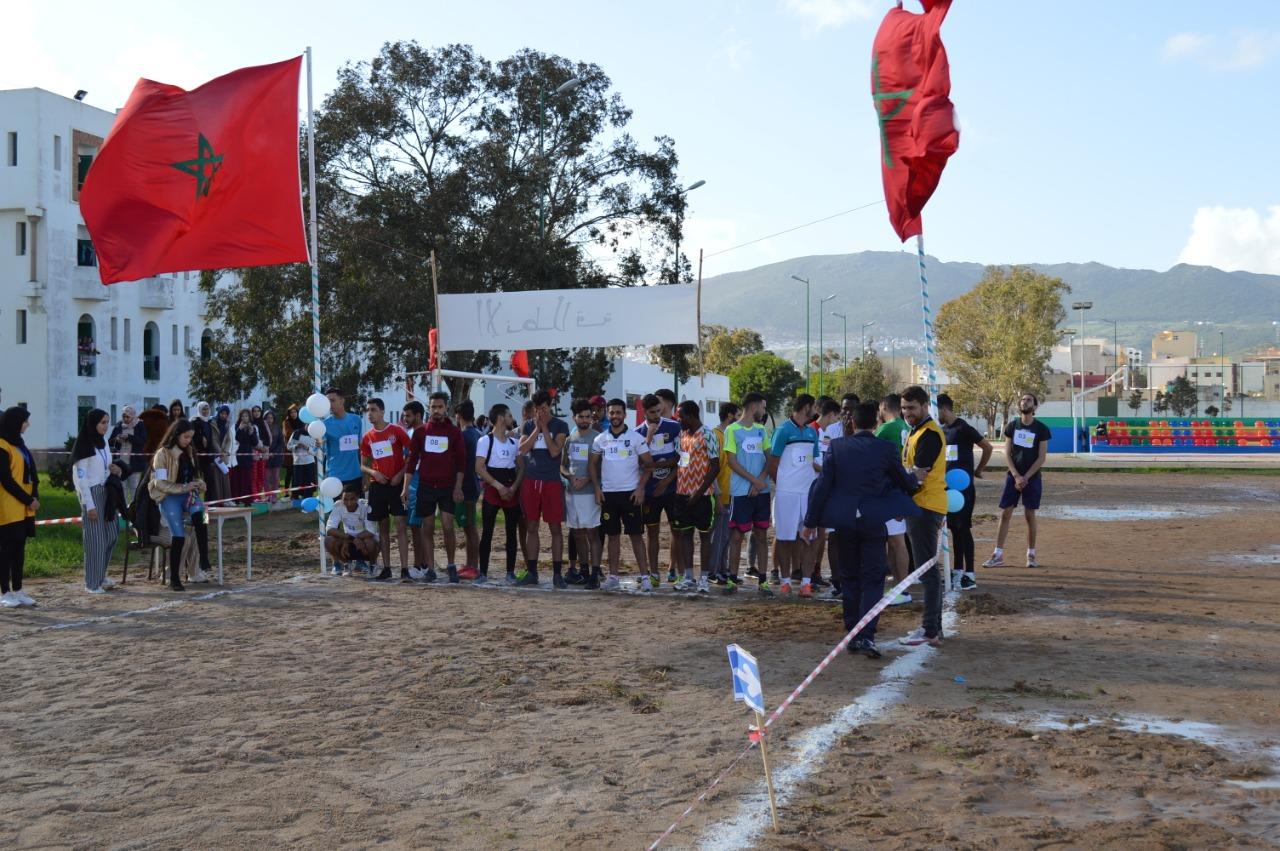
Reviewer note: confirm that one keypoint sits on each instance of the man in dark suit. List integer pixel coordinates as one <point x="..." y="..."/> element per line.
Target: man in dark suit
<point x="863" y="484"/>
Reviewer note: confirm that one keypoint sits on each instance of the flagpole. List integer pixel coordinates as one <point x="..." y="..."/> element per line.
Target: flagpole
<point x="931" y="376"/>
<point x="315" y="282"/>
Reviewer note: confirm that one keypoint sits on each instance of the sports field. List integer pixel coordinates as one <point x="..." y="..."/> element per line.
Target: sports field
<point x="1125" y="694"/>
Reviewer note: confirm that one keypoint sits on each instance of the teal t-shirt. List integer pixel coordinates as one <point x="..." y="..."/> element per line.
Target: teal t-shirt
<point x="748" y="444"/>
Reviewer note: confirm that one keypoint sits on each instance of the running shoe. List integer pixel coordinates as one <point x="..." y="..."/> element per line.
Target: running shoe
<point x="671" y="576"/>
<point x="429" y="575"/>
<point x="806" y="590"/>
<point x="865" y="647"/>
<point x="785" y="589"/>
<point x="338" y="568"/>
<point x="557" y="581"/>
<point x="10" y="600"/>
<point x="704" y="585"/>
<point x="902" y="599"/>
<point x="574" y="577"/>
<point x="657" y="580"/>
<point x="819" y="582"/>
<point x="25" y="598"/>
<point x="645" y="586"/>
<point x="481" y="579"/>
<point x="720" y="578"/>
<point x="836" y="595"/>
<point x="764" y="590"/>
<point x="996" y="560"/>
<point x="917" y="637"/>
<point x="613" y="583"/>
<point x="93" y="591"/>
<point x="967" y="582"/>
<point x="361" y="566"/>
<point x="530" y="579"/>
<point x="411" y="575"/>
<point x="453" y="573"/>
<point x="468" y="572"/>
<point x="1031" y="560"/>
<point x="686" y="584"/>
<point x="592" y="582"/>
<point x="512" y="579"/>
<point x="521" y="573"/>
<point x="108" y="582"/>
<point x="753" y="573"/>
<point x="384" y="576"/>
<point x="774" y="577"/>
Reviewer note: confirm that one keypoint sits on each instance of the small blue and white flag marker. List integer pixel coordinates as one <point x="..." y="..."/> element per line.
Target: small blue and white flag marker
<point x="748" y="689"/>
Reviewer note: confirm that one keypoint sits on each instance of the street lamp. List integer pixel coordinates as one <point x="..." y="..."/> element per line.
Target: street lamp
<point x="1070" y="334"/>
<point x="844" y="319"/>
<point x="675" y="274"/>
<point x="1081" y="306"/>
<point x="1115" y="351"/>
<point x="565" y="88"/>
<point x="822" y="360"/>
<point x="862" y="352"/>
<point x="805" y="281"/>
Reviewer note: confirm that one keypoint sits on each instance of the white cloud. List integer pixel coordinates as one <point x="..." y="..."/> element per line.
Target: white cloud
<point x="817" y="15"/>
<point x="1246" y="50"/>
<point x="733" y="55"/>
<point x="1235" y="238"/>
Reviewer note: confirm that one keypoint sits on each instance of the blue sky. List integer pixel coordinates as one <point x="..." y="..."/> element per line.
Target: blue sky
<point x="1127" y="133"/>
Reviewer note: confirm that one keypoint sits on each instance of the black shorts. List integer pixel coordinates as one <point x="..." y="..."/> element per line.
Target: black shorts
<point x="431" y="499"/>
<point x="384" y="502"/>
<point x="618" y="514"/>
<point x="655" y="505"/>
<point x="695" y="513"/>
<point x="356" y="485"/>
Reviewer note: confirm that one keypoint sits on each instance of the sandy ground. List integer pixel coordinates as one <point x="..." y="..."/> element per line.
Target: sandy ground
<point x="321" y="712"/>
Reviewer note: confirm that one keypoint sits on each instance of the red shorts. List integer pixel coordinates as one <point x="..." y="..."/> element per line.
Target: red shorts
<point x="542" y="501"/>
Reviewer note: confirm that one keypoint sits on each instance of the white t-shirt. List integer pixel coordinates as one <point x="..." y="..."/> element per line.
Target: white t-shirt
<point x="835" y="431"/>
<point x="620" y="459"/>
<point x="503" y="456"/>
<point x="352" y="522"/>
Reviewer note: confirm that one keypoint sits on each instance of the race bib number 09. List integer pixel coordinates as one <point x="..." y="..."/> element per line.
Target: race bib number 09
<point x="751" y="446"/>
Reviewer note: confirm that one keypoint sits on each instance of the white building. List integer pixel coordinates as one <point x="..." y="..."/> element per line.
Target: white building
<point x="68" y="343"/>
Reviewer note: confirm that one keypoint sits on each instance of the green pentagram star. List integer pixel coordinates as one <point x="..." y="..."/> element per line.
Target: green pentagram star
<point x="205" y="158"/>
<point x="877" y="95"/>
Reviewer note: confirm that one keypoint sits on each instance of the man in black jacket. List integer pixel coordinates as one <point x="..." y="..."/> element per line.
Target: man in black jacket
<point x="862" y="485"/>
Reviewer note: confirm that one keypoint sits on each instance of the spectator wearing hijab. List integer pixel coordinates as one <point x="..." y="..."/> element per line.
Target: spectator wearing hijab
<point x="259" y="483"/>
<point x="291" y="424"/>
<point x="246" y="435"/>
<point x="19" y="502"/>
<point x="129" y="438"/>
<point x="275" y="455"/>
<point x="91" y="467"/>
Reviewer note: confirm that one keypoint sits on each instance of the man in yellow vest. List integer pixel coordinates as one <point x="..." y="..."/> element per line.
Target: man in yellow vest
<point x="924" y="456"/>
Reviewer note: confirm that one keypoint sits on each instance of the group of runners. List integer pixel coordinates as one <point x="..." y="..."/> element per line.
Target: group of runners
<point x="603" y="478"/>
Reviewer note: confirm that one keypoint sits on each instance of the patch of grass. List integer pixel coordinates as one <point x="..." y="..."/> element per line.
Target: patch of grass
<point x="58" y="550"/>
<point x="1196" y="471"/>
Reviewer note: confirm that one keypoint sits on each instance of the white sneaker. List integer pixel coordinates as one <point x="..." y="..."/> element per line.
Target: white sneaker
<point x="10" y="600"/>
<point x="646" y="584"/>
<point x="95" y="590"/>
<point x="27" y="599"/>
<point x="686" y="584"/>
<point x="613" y="583"/>
<point x="1031" y="559"/>
<point x="704" y="585"/>
<point x="901" y="600"/>
<point x="108" y="582"/>
<point x="996" y="560"/>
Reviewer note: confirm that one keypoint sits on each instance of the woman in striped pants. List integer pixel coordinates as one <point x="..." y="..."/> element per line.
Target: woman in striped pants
<point x="91" y="464"/>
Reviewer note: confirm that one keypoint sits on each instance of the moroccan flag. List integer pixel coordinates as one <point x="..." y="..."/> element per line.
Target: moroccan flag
<point x="433" y="343"/>
<point x="205" y="179"/>
<point x="911" y="88"/>
<point x="520" y="363"/>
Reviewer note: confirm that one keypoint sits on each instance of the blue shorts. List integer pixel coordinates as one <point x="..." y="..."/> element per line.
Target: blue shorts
<point x="1029" y="495"/>
<point x="412" y="505"/>
<point x="749" y="512"/>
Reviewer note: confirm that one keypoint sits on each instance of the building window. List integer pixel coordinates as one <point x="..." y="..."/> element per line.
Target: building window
<point x="85" y="255"/>
<point x="57" y="153"/>
<point x="83" y="163"/>
<point x="186" y="338"/>
<point x="175" y="341"/>
<point x="206" y="345"/>
<point x="127" y="344"/>
<point x="113" y="414"/>
<point x="11" y="154"/>
<point x="84" y="147"/>
<point x="115" y="341"/>
<point x="84" y="404"/>
<point x="151" y="352"/>
<point x="150" y="402"/>
<point x="22" y="326"/>
<point x="20" y="239"/>
<point x="86" y="348"/>
<point x="712" y="406"/>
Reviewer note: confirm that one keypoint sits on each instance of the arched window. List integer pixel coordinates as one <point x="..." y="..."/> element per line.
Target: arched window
<point x="86" y="347"/>
<point x="151" y="352"/>
<point x="206" y="344"/>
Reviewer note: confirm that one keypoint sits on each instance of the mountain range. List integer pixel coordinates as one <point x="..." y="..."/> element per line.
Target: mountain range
<point x="883" y="286"/>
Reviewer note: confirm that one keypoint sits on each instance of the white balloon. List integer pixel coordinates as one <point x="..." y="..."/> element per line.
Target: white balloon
<point x="318" y="405"/>
<point x="317" y="429"/>
<point x="331" y="487"/>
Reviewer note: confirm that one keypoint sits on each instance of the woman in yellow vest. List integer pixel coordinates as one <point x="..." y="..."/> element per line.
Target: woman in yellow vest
<point x="19" y="501"/>
<point x="924" y="455"/>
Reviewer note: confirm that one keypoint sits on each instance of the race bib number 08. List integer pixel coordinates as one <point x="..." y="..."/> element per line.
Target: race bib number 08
<point x="437" y="443"/>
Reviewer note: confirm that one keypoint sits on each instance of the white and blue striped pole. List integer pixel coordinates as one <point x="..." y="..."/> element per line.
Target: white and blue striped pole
<point x="315" y="282"/>
<point x="931" y="377"/>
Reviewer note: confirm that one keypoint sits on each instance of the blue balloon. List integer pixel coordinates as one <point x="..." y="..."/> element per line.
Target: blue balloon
<point x="957" y="479"/>
<point x="326" y="504"/>
<point x="310" y="504"/>
<point x="955" y="501"/>
<point x="305" y="415"/>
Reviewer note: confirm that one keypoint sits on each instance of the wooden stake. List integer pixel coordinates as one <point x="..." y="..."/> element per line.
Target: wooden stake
<point x="768" y="775"/>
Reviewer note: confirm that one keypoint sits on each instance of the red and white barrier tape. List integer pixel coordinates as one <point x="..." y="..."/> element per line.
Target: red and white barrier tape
<point x="62" y="521"/>
<point x="822" y="666"/>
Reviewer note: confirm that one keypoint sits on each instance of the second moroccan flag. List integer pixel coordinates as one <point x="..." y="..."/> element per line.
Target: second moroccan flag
<point x="205" y="179"/>
<point x="911" y="88"/>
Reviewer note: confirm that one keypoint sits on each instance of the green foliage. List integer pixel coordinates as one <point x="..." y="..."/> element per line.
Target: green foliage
<point x="57" y="550"/>
<point x="765" y="372"/>
<point x="590" y="370"/>
<point x="59" y="472"/>
<point x="1135" y="401"/>
<point x="1182" y="398"/>
<point x="424" y="150"/>
<point x="995" y="340"/>
<point x="866" y="376"/>
<point x="725" y="347"/>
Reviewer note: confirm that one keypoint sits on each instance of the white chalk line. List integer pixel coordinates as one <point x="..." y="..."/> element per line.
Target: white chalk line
<point x="742" y="829"/>
<point x="160" y="607"/>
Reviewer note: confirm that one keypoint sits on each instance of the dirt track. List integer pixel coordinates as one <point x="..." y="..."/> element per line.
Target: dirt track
<point x="327" y="712"/>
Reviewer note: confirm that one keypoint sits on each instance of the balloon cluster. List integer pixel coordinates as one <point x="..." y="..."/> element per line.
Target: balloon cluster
<point x="313" y="414"/>
<point x="957" y="481"/>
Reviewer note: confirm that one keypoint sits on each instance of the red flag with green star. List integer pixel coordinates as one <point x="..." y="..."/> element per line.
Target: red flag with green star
<point x="911" y="88"/>
<point x="205" y="179"/>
